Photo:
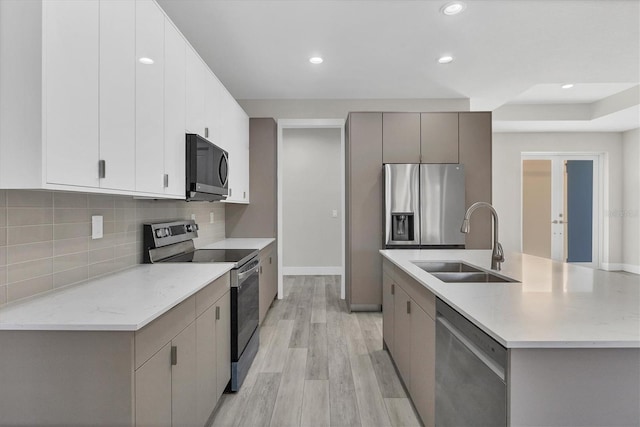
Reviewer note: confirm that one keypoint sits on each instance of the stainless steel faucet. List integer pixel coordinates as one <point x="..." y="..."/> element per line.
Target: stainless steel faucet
<point x="497" y="256"/>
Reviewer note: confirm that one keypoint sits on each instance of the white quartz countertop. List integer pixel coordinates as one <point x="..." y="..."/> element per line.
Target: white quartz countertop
<point x="556" y="304"/>
<point x="241" y="243"/>
<point x="125" y="301"/>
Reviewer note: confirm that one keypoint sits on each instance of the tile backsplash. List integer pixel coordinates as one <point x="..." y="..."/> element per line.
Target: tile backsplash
<point x="45" y="236"/>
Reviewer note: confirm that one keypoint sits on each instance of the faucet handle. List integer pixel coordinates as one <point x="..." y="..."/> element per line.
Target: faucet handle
<point x="498" y="253"/>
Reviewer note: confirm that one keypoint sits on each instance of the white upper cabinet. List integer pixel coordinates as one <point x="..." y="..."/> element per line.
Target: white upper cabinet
<point x="98" y="96"/>
<point x="117" y="94"/>
<point x="174" y="110"/>
<point x="149" y="97"/>
<point x="195" y="93"/>
<point x="214" y="94"/>
<point x="70" y="91"/>
<point x="236" y="132"/>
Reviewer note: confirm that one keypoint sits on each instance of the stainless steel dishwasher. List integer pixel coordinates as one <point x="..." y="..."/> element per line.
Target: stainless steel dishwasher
<point x="471" y="388"/>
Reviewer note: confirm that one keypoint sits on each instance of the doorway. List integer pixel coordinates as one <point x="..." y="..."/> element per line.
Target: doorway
<point x="560" y="207"/>
<point x="311" y="219"/>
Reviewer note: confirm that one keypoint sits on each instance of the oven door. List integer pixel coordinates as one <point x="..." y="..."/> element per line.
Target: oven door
<point x="244" y="306"/>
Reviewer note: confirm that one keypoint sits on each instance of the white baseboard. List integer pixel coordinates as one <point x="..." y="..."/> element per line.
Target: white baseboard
<point x="631" y="268"/>
<point x="610" y="266"/>
<point x="311" y="271"/>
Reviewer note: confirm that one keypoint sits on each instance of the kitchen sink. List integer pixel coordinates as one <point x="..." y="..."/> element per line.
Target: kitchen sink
<point x="473" y="277"/>
<point x="460" y="272"/>
<point x="446" y="266"/>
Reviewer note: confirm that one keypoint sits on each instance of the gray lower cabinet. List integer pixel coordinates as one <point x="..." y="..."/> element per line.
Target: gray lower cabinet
<point x="213" y="356"/>
<point x="268" y="279"/>
<point x="409" y="334"/>
<point x="169" y="373"/>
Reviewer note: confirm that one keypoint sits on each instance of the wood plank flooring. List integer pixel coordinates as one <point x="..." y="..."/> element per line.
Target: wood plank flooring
<point x="318" y="366"/>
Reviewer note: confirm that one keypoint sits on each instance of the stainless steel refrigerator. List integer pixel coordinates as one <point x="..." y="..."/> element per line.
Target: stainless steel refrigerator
<point x="424" y="205"/>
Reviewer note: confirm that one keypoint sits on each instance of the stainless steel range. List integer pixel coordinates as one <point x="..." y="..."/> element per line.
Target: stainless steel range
<point x="173" y="242"/>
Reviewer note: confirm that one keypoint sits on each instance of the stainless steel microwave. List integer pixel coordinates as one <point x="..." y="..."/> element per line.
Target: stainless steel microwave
<point x="207" y="168"/>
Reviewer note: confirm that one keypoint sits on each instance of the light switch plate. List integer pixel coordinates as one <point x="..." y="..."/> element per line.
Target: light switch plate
<point x="334" y="213"/>
<point x="96" y="227"/>
<point x="211" y="218"/>
<point x="193" y="217"/>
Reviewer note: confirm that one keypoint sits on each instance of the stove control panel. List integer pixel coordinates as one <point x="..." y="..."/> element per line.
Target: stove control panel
<point x="167" y="233"/>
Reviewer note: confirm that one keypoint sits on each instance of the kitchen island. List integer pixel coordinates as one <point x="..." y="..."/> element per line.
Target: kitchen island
<point x="572" y="334"/>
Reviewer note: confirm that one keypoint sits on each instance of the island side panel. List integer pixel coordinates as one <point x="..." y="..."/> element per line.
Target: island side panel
<point x="66" y="378"/>
<point x="576" y="387"/>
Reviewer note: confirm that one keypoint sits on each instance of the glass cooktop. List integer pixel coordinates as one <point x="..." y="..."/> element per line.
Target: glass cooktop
<point x="239" y="256"/>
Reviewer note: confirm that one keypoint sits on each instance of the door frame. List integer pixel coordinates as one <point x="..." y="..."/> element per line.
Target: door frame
<point x="600" y="228"/>
<point x="311" y="124"/>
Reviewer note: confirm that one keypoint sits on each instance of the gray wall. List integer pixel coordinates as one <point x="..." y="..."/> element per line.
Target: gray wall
<point x="311" y="189"/>
<point x="45" y="236"/>
<point x="339" y="108"/>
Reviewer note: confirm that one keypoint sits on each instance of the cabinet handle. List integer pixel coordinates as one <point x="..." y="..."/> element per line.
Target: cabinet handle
<point x="217" y="312"/>
<point x="102" y="168"/>
<point x="174" y="355"/>
<point x="393" y="289"/>
<point x="260" y="269"/>
<point x="408" y="307"/>
<point x="206" y="132"/>
<point x="269" y="260"/>
<point x="244" y="194"/>
<point x="230" y="191"/>
<point x="166" y="180"/>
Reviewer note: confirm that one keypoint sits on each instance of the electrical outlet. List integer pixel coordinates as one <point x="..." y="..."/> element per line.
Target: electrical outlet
<point x="193" y="217"/>
<point x="211" y="218"/>
<point x="96" y="227"/>
<point x="334" y="213"/>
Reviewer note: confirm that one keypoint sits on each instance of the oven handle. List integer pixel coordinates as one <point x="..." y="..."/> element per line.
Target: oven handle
<point x="242" y="276"/>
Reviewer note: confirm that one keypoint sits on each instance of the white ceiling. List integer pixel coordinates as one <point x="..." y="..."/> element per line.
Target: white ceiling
<point x="514" y="51"/>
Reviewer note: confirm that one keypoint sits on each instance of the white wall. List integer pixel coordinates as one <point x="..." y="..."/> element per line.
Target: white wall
<point x="507" y="182"/>
<point x="311" y="190"/>
<point x="339" y="108"/>
<point x="631" y="202"/>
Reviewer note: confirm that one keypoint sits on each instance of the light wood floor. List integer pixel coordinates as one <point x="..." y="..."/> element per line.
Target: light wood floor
<point x="318" y="366"/>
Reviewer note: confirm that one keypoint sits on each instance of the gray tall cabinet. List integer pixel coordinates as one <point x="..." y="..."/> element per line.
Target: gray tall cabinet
<point x="260" y="217"/>
<point x="374" y="138"/>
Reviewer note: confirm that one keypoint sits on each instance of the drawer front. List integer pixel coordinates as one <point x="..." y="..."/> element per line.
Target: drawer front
<point x="156" y="334"/>
<point x="212" y="293"/>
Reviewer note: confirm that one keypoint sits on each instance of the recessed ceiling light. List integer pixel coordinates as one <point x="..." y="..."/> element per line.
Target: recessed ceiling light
<point x="316" y="60"/>
<point x="146" y="61"/>
<point x="445" y="59"/>
<point x="453" y="8"/>
<point x="567" y="86"/>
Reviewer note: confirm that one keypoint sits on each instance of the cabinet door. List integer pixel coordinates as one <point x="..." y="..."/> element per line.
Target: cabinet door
<point x="70" y="87"/>
<point x="402" y="334"/>
<point x="153" y="390"/>
<point x="183" y="379"/>
<point x="388" y="291"/>
<point x="207" y="380"/>
<point x="117" y="94"/>
<point x="174" y="110"/>
<point x="195" y="93"/>
<point x="223" y="342"/>
<point x="149" y="98"/>
<point x="236" y="131"/>
<point x="267" y="289"/>
<point x="213" y="107"/>
<point x="439" y="138"/>
<point x="401" y="137"/>
<point x="423" y="364"/>
<point x="475" y="154"/>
